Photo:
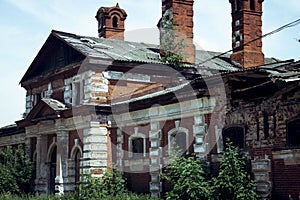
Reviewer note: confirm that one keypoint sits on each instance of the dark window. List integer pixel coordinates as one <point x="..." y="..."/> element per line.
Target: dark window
<point x="237" y="5"/>
<point x="257" y="129"/>
<point x="138" y="147"/>
<point x="52" y="171"/>
<point x="115" y="22"/>
<point x="38" y="97"/>
<point x="77" y="93"/>
<point x="275" y="124"/>
<point x="266" y="124"/>
<point x="293" y="133"/>
<point x="77" y="166"/>
<point x="236" y="135"/>
<point x="252" y="4"/>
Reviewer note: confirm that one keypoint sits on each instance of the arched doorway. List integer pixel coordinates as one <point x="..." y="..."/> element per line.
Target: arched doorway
<point x="77" y="166"/>
<point x="52" y="171"/>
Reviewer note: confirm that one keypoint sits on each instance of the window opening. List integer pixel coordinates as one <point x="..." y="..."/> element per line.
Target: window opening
<point x="293" y="133"/>
<point x="115" y="22"/>
<point x="236" y="135"/>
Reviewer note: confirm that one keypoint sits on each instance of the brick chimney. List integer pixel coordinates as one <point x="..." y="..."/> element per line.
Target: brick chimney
<point x="111" y="22"/>
<point x="247" y="26"/>
<point x="182" y="14"/>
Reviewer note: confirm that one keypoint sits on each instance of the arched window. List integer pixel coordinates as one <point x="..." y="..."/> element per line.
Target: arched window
<point x="77" y="166"/>
<point x="179" y="142"/>
<point x="115" y="21"/>
<point x="236" y="134"/>
<point x="52" y="170"/>
<point x="293" y="133"/>
<point x="34" y="165"/>
<point x="252" y="4"/>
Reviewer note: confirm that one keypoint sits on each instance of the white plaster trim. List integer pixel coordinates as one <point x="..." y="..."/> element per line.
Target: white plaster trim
<point x="74" y="148"/>
<point x="136" y="135"/>
<point x="50" y="149"/>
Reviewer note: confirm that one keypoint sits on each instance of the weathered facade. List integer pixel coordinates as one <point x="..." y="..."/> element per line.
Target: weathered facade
<point x="94" y="102"/>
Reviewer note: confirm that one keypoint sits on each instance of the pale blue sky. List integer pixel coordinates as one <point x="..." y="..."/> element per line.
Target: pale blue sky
<point x="25" y="25"/>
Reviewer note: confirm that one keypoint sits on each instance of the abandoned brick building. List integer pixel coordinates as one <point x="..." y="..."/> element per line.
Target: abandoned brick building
<point x="94" y="102"/>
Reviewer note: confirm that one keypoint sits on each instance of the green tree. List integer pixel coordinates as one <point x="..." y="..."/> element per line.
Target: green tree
<point x="15" y="171"/>
<point x="187" y="176"/>
<point x="233" y="182"/>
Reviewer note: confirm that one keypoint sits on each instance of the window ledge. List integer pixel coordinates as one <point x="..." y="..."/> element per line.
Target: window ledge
<point x="290" y="156"/>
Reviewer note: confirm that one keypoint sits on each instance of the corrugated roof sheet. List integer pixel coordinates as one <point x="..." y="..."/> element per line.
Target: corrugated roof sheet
<point x="138" y="52"/>
<point x="126" y="51"/>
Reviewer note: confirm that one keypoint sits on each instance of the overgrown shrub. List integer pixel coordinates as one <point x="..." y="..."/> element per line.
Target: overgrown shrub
<point x="189" y="181"/>
<point x="15" y="171"/>
<point x="111" y="184"/>
<point x="188" y="178"/>
<point x="233" y="182"/>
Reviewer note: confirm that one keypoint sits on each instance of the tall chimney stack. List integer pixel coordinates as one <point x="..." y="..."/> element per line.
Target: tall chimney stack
<point x="182" y="14"/>
<point x="246" y="27"/>
<point x="111" y="22"/>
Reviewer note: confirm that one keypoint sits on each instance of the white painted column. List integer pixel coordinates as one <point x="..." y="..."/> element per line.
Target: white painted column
<point x="120" y="152"/>
<point x="155" y="159"/>
<point x="61" y="161"/>
<point x="199" y="134"/>
<point x="95" y="156"/>
<point x="41" y="184"/>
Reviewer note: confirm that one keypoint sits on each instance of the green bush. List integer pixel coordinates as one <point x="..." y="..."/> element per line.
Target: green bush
<point x="233" y="182"/>
<point x="112" y="183"/>
<point x="15" y="171"/>
<point x="125" y="196"/>
<point x="189" y="180"/>
<point x="187" y="176"/>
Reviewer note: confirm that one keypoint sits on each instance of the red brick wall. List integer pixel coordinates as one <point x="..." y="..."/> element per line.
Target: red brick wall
<point x="249" y="52"/>
<point x="286" y="180"/>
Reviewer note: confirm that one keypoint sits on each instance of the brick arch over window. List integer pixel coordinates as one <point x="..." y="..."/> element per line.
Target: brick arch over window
<point x="236" y="134"/>
<point x="178" y="137"/>
<point x="293" y="133"/>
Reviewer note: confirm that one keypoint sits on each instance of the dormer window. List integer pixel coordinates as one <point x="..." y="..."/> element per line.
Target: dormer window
<point x="115" y="22"/>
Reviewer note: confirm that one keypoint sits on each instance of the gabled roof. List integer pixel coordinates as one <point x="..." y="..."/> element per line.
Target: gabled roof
<point x="124" y="51"/>
<point x="46" y="108"/>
